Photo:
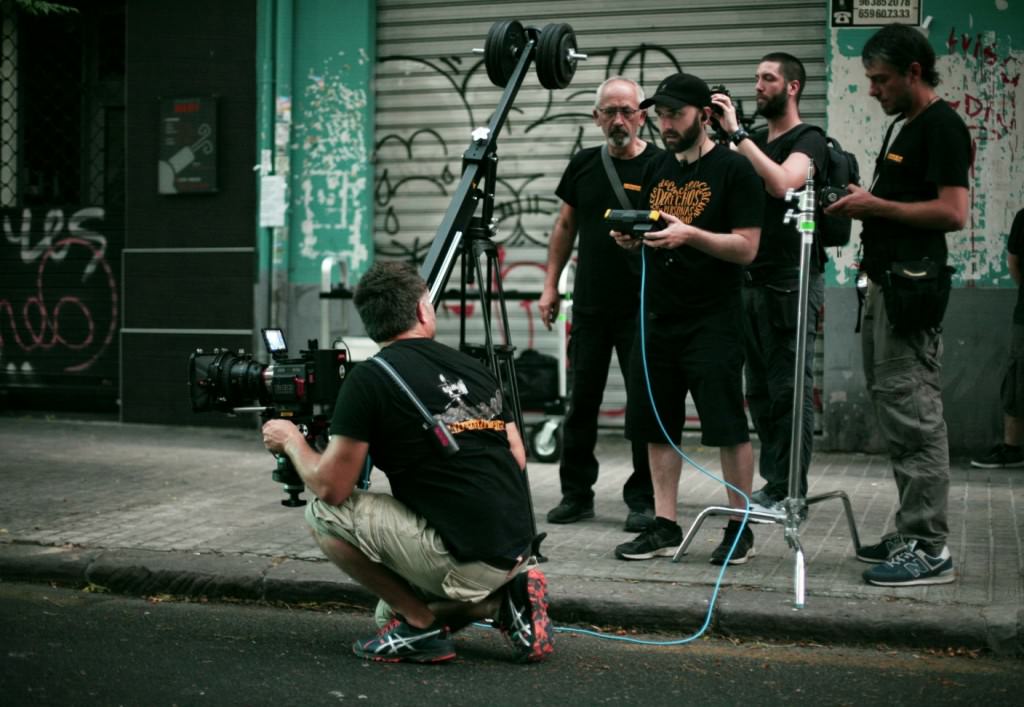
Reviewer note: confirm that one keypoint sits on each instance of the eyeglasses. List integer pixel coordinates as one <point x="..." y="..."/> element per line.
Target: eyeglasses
<point x="626" y="113"/>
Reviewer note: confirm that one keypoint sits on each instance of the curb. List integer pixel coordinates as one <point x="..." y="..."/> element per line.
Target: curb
<point x="664" y="607"/>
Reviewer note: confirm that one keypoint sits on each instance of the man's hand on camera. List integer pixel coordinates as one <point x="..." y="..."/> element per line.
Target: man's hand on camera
<point x="859" y="204"/>
<point x="277" y="434"/>
<point x="674" y="235"/>
<point x="548" y="306"/>
<point x="727" y="117"/>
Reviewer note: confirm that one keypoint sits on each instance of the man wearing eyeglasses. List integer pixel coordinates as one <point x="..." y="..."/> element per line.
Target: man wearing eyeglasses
<point x="605" y="298"/>
<point x="691" y="334"/>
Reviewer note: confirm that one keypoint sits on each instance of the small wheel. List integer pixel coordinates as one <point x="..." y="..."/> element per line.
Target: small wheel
<point x="546" y="441"/>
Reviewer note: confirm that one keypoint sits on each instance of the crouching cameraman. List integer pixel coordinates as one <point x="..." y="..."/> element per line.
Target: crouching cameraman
<point x="451" y="545"/>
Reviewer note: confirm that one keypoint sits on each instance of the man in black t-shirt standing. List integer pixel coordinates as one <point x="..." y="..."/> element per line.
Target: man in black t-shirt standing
<point x="919" y="193"/>
<point x="1009" y="453"/>
<point x="781" y="155"/>
<point x="606" y="293"/>
<point x="451" y="545"/>
<point x="690" y="337"/>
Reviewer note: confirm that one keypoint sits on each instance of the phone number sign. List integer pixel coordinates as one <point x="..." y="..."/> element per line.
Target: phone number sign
<point x="867" y="13"/>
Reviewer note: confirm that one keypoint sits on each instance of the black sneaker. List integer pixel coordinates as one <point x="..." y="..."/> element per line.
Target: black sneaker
<point x="913" y="567"/>
<point x="744" y="548"/>
<point x="889" y="546"/>
<point x="523" y="616"/>
<point x="639" y="520"/>
<point x="399" y="642"/>
<point x="659" y="540"/>
<point x="570" y="511"/>
<point x="1000" y="456"/>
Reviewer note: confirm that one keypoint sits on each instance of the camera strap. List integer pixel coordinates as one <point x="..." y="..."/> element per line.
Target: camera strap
<point x="439" y="432"/>
<point x="613" y="177"/>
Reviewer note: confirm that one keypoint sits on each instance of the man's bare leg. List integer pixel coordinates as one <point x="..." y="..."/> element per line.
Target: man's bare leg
<point x="666" y="467"/>
<point x="738" y="470"/>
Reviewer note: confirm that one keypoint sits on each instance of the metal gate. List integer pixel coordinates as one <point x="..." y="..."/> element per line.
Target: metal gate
<point x="61" y="205"/>
<point x="432" y="91"/>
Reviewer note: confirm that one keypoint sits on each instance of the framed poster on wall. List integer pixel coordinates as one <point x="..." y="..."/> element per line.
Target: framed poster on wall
<point x="188" y="145"/>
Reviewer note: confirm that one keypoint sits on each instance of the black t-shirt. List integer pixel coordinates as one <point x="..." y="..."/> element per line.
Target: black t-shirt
<point x="1015" y="245"/>
<point x="477" y="499"/>
<point x="932" y="150"/>
<point x="780" y="242"/>
<point x="719" y="193"/>
<point x="607" y="277"/>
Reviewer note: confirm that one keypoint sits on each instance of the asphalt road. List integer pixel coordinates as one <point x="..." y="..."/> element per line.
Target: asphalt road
<point x="69" y="647"/>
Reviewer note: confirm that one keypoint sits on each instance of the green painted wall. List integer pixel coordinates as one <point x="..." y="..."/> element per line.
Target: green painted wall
<point x="980" y="49"/>
<point x="332" y="108"/>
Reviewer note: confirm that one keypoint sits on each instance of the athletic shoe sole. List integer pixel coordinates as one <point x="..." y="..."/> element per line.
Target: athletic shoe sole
<point x="650" y="555"/>
<point x="536" y="590"/>
<point x="944" y="578"/>
<point x="737" y="560"/>
<point x="423" y="658"/>
<point x="1010" y="465"/>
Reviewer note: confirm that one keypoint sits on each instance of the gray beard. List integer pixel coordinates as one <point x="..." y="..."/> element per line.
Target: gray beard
<point x="620" y="139"/>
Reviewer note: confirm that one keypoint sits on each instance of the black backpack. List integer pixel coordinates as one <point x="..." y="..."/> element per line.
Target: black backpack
<point x="841" y="169"/>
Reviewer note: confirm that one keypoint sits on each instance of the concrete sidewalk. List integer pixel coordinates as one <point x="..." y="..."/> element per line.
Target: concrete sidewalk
<point x="145" y="510"/>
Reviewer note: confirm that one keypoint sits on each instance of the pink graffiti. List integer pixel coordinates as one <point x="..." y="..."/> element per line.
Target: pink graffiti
<point x="42" y="321"/>
<point x="996" y="118"/>
<point x="972" y="47"/>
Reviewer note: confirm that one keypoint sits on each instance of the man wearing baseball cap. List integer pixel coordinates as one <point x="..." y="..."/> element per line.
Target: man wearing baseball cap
<point x="690" y="338"/>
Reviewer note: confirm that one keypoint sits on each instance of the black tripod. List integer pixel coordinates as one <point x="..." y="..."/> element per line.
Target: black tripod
<point x="464" y="235"/>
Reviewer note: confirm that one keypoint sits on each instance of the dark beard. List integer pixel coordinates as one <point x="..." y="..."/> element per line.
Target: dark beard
<point x="690" y="137"/>
<point x="774" y="106"/>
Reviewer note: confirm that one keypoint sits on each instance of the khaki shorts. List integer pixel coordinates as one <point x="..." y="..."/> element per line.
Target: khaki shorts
<point x="387" y="532"/>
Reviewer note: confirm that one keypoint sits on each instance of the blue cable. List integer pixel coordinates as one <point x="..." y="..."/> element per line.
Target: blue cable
<point x="746" y="511"/>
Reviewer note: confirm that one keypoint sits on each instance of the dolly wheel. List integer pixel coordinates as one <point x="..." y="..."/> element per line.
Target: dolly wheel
<point x="546" y="441"/>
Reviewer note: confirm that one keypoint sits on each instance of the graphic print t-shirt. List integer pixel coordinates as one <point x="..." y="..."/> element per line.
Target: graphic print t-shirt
<point x="477" y="499"/>
<point x="719" y="193"/>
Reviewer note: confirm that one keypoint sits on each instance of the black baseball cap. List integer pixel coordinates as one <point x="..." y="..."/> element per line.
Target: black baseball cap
<point x="680" y="90"/>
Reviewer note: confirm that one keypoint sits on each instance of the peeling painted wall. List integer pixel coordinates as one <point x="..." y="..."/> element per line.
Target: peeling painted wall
<point x="980" y="65"/>
<point x="980" y="58"/>
<point x="330" y="185"/>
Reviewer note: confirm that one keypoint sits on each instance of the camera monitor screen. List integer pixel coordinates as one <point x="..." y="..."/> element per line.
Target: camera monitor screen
<point x="274" y="340"/>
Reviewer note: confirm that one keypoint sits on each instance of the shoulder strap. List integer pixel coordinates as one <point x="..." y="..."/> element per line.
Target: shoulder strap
<point x="613" y="177"/>
<point x="439" y="431"/>
<point x="884" y="150"/>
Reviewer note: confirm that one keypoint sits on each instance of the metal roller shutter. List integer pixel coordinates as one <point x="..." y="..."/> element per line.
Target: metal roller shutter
<point x="432" y="91"/>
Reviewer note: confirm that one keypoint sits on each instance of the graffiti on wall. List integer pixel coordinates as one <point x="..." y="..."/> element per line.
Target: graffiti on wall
<point x="417" y="164"/>
<point x="982" y="80"/>
<point x="58" y="296"/>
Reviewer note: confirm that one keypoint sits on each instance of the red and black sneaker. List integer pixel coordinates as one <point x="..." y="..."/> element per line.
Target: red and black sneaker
<point x="399" y="642"/>
<point x="523" y="616"/>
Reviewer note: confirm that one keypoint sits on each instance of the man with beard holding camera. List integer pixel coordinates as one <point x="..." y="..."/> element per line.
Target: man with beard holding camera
<point x="690" y="337"/>
<point x="451" y="545"/>
<point x="919" y="193"/>
<point x="605" y="299"/>
<point x="781" y="155"/>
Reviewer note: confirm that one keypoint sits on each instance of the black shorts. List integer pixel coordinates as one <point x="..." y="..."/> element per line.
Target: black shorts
<point x="1012" y="391"/>
<point x="701" y="355"/>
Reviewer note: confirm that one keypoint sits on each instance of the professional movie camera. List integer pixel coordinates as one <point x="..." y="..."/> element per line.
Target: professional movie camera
<point x="721" y="136"/>
<point x="301" y="389"/>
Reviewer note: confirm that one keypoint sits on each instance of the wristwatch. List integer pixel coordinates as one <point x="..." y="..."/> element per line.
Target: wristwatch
<point x="739" y="136"/>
